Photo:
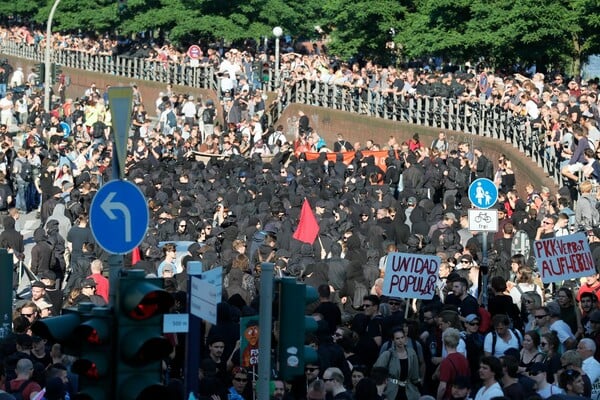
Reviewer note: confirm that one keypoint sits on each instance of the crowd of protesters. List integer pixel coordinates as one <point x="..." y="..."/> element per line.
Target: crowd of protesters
<point x="241" y="204"/>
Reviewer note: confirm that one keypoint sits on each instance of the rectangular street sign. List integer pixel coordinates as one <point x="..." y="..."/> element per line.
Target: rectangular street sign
<point x="204" y="300"/>
<point x="175" y="323"/>
<point x="483" y="220"/>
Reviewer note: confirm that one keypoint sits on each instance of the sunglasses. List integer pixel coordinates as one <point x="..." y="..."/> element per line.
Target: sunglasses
<point x="240" y="379"/>
<point x="543" y="344"/>
<point x="328" y="380"/>
<point x="473" y="323"/>
<point x="27" y="315"/>
<point x="311" y="369"/>
<point x="534" y="373"/>
<point x="394" y="303"/>
<point x="541" y="316"/>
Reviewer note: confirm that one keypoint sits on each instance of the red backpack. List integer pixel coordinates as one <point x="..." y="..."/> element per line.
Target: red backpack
<point x="485" y="320"/>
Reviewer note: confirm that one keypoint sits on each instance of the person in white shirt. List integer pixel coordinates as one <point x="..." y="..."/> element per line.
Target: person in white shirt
<point x="189" y="111"/>
<point x="490" y="372"/>
<point x="562" y="329"/>
<point x="6" y="109"/>
<point x="506" y="338"/>
<point x="18" y="77"/>
<point x="537" y="372"/>
<point x="586" y="348"/>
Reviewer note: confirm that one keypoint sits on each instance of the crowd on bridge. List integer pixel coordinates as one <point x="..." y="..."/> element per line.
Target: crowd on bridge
<point x="215" y="175"/>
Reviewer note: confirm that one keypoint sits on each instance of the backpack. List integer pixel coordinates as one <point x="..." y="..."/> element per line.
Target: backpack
<point x="521" y="244"/>
<point x="592" y="220"/>
<point x="171" y="119"/>
<point x="18" y="393"/>
<point x="460" y="179"/>
<point x="257" y="239"/>
<point x="98" y="129"/>
<point x="485" y="319"/>
<point x="26" y="172"/>
<point x="3" y="198"/>
<point x="488" y="169"/>
<point x="207" y="116"/>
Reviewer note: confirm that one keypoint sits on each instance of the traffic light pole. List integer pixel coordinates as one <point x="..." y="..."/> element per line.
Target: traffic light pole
<point x="192" y="343"/>
<point x="265" y="330"/>
<point x="6" y="280"/>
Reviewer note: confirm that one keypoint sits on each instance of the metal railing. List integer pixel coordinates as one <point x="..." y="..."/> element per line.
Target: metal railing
<point x="442" y="113"/>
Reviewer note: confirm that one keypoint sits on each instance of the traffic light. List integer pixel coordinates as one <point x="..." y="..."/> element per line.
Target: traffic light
<point x="141" y="347"/>
<point x="85" y="333"/>
<point x="40" y="71"/>
<point x="293" y="327"/>
<point x="56" y="73"/>
<point x="94" y="365"/>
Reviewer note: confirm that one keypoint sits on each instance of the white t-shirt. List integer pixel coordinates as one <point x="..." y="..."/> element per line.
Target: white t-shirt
<point x="489" y="393"/>
<point x="563" y="331"/>
<point x="591" y="367"/>
<point x="549" y="391"/>
<point x="501" y="345"/>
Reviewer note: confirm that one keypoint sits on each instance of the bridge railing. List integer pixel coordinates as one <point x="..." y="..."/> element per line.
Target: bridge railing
<point x="442" y="113"/>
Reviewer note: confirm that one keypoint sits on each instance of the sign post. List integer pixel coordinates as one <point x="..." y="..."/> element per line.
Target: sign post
<point x="483" y="193"/>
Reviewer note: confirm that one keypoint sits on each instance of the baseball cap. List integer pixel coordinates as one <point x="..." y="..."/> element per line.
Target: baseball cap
<point x="88" y="283"/>
<point x="39" y="284"/>
<point x="411" y="201"/>
<point x="50" y="275"/>
<point x="471" y="317"/>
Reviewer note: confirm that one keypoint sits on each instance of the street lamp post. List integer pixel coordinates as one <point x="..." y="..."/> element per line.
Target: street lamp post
<point x="277" y="32"/>
<point x="47" y="63"/>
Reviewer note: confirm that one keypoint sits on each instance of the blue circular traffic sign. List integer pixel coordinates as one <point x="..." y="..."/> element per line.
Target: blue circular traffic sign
<point x="119" y="217"/>
<point x="483" y="193"/>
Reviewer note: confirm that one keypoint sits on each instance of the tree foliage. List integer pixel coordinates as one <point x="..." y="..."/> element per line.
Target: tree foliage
<point x="504" y="32"/>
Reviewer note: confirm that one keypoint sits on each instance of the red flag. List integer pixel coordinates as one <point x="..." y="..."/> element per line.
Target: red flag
<point x="308" y="228"/>
<point x="135" y="256"/>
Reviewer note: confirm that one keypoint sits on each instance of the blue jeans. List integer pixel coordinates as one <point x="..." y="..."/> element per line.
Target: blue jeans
<point x="20" y="201"/>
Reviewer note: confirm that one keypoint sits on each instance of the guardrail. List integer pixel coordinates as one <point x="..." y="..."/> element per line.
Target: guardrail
<point x="443" y="113"/>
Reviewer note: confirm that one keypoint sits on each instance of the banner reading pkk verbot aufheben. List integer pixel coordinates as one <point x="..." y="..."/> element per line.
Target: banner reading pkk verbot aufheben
<point x="411" y="276"/>
<point x="564" y="257"/>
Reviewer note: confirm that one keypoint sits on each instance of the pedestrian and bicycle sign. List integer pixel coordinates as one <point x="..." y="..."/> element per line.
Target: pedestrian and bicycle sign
<point x="119" y="217"/>
<point x="483" y="193"/>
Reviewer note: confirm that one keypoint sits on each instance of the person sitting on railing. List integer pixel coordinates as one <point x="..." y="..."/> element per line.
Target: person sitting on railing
<point x="577" y="160"/>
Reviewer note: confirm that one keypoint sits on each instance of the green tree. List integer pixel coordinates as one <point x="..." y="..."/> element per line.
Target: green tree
<point x="362" y="28"/>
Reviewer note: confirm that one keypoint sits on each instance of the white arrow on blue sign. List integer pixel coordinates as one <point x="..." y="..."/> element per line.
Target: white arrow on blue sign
<point x="119" y="217"/>
<point x="483" y="193"/>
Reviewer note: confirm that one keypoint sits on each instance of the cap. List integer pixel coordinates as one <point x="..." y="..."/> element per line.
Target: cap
<point x="283" y="253"/>
<point x="190" y="98"/>
<point x="537" y="367"/>
<point x="450" y="216"/>
<point x="88" y="282"/>
<point x="545" y="189"/>
<point x="38" y="284"/>
<point x="595" y="316"/>
<point x="462" y="382"/>
<point x="321" y="204"/>
<point x="412" y="201"/>
<point x="50" y="275"/>
<point x="553" y="309"/>
<point x="471" y="317"/>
